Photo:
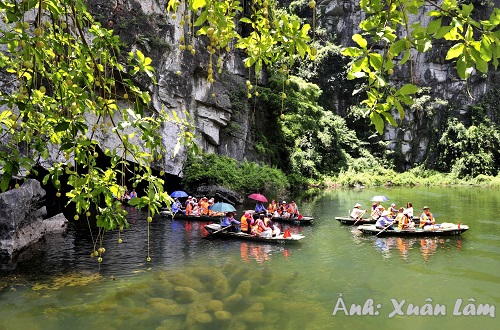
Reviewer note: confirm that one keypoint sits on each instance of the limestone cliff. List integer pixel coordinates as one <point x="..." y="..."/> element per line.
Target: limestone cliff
<point x="342" y="18"/>
<point x="220" y="126"/>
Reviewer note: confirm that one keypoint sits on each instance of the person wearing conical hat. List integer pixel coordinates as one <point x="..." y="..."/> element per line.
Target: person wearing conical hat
<point x="357" y="212"/>
<point x="377" y="213"/>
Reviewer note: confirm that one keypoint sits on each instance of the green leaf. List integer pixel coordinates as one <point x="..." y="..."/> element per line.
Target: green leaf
<point x="434" y="26"/>
<point x="462" y="68"/>
<point x="405" y="57"/>
<point x="4" y="185"/>
<point x="408" y="89"/>
<point x="359" y="40"/>
<point x="377" y="121"/>
<point x="199" y="3"/>
<point x="376" y="61"/>
<point x="442" y="31"/>
<point x="351" y="52"/>
<point x="61" y="126"/>
<point x="455" y="51"/>
<point x="390" y="119"/>
<point x="201" y="19"/>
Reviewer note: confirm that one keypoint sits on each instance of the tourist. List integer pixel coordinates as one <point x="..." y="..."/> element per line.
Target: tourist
<point x="426" y="218"/>
<point x="259" y="207"/>
<point x="196" y="209"/>
<point x="393" y="210"/>
<point x="357" y="213"/>
<point x="262" y="229"/>
<point x="176" y="206"/>
<point x="292" y="209"/>
<point x="377" y="213"/>
<point x="246" y="222"/>
<point x="204" y="206"/>
<point x="230" y="222"/>
<point x="409" y="210"/>
<point x="275" y="229"/>
<point x="133" y="194"/>
<point x="254" y="224"/>
<point x="282" y="210"/>
<point x="384" y="221"/>
<point x="189" y="208"/>
<point x="403" y="221"/>
<point x="273" y="207"/>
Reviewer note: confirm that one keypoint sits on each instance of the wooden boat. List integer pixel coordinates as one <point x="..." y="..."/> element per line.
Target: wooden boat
<point x="182" y="216"/>
<point x="214" y="229"/>
<point x="363" y="221"/>
<point x="351" y="221"/>
<point x="297" y="221"/>
<point x="445" y="229"/>
<point x="303" y="221"/>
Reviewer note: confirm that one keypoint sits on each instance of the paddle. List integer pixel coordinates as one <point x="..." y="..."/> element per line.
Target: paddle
<point x="380" y="232"/>
<point x="359" y="217"/>
<point x="215" y="232"/>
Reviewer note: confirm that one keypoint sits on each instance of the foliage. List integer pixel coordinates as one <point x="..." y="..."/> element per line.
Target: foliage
<point x="469" y="151"/>
<point x="67" y="86"/>
<point x="245" y="177"/>
<point x="473" y="45"/>
<point x="266" y="33"/>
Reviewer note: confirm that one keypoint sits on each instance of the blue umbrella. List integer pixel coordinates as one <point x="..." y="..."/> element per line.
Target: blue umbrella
<point x="178" y="193"/>
<point x="222" y="207"/>
<point x="380" y="198"/>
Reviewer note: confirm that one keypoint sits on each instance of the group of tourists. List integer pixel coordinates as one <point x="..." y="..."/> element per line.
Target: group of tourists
<point x="253" y="224"/>
<point x="128" y="195"/>
<point x="194" y="207"/>
<point x="290" y="210"/>
<point x="403" y="217"/>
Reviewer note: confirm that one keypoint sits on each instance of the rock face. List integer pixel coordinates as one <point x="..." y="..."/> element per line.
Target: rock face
<point x="21" y="218"/>
<point x="430" y="69"/>
<point x="220" y="126"/>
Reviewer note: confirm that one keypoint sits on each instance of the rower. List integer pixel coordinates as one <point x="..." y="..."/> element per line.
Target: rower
<point x="384" y="221"/>
<point x="357" y="213"/>
<point x="426" y="218"/>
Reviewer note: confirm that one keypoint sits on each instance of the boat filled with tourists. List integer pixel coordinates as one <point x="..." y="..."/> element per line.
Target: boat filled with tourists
<point x="444" y="229"/>
<point x="283" y="238"/>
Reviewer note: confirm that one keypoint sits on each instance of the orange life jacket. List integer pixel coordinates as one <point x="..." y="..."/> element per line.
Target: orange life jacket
<point x="189" y="209"/>
<point x="243" y="223"/>
<point x="272" y="208"/>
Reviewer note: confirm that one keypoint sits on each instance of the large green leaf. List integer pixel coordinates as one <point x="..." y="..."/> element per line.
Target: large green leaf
<point x="377" y="121"/>
<point x="455" y="51"/>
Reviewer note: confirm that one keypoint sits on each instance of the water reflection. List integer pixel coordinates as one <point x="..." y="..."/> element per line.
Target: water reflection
<point x="427" y="247"/>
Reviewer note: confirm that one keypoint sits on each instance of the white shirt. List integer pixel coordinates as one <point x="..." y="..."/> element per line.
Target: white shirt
<point x="356" y="213"/>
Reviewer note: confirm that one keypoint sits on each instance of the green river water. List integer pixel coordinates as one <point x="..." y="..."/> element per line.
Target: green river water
<point x="195" y="283"/>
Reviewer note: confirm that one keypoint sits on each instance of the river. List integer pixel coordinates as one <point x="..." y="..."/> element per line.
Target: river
<point x="336" y="279"/>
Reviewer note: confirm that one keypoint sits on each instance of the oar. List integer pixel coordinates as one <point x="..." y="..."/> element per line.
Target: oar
<point x="380" y="232"/>
<point x="360" y="217"/>
<point x="215" y="232"/>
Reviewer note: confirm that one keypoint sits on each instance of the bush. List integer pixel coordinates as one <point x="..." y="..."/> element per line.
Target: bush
<point x="245" y="177"/>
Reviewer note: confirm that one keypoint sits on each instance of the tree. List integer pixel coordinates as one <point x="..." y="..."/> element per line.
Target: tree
<point x="66" y="80"/>
<point x="388" y="38"/>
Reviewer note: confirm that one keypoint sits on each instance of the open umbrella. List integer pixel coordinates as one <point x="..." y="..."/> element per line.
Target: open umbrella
<point x="178" y="193"/>
<point x="222" y="207"/>
<point x="379" y="198"/>
<point x="258" y="198"/>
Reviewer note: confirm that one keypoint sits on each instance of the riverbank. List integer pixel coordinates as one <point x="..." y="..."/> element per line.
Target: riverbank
<point x="412" y="178"/>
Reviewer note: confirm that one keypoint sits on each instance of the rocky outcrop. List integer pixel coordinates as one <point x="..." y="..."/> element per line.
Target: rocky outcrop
<point x="22" y="218"/>
<point x="220" y="194"/>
